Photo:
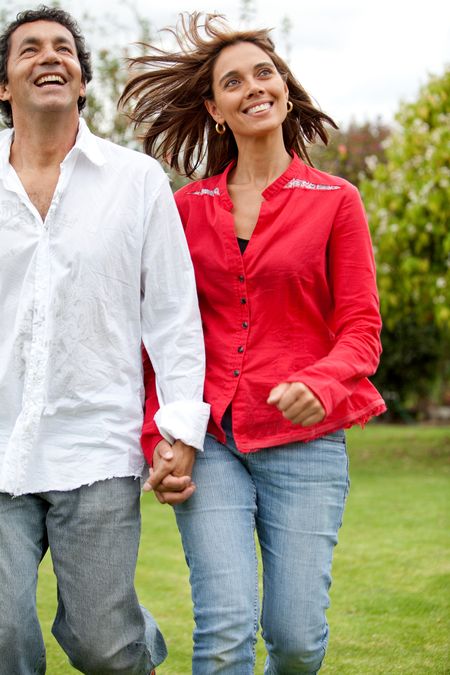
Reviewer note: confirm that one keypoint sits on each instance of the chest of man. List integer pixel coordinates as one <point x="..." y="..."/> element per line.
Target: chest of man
<point x="40" y="188"/>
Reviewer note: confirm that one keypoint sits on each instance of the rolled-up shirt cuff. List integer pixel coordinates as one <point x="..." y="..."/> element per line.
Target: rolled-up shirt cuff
<point x="185" y="421"/>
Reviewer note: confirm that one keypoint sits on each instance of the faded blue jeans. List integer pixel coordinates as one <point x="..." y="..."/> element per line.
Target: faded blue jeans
<point x="293" y="495"/>
<point x="93" y="535"/>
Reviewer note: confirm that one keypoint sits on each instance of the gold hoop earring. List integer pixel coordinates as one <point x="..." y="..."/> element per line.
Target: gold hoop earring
<point x="290" y="106"/>
<point x="220" y="128"/>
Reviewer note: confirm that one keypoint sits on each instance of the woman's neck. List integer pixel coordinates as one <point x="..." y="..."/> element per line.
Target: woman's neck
<point x="259" y="162"/>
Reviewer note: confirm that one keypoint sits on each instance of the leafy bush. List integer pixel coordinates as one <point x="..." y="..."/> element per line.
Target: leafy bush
<point x="408" y="207"/>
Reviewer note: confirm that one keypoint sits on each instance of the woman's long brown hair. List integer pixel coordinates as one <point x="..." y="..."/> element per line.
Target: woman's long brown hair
<point x="171" y="87"/>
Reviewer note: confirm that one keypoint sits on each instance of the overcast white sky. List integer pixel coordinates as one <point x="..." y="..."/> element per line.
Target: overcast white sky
<point x="357" y="58"/>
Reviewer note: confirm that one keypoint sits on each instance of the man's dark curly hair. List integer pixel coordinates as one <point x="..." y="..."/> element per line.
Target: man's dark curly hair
<point x="43" y="13"/>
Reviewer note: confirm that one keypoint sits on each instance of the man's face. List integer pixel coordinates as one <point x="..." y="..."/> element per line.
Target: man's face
<point x="43" y="70"/>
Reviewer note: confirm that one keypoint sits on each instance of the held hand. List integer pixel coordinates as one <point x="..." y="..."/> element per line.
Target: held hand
<point x="297" y="403"/>
<point x="170" y="478"/>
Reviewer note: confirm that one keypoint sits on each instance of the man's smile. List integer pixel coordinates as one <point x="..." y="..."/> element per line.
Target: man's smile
<point x="49" y="79"/>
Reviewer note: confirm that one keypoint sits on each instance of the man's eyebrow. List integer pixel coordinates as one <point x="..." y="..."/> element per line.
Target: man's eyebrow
<point x="29" y="41"/>
<point x="32" y="40"/>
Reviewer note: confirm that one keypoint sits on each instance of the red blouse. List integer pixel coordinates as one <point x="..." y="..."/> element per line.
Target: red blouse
<point x="300" y="305"/>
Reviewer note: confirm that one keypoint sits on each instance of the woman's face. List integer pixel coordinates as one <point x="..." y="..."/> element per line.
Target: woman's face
<point x="250" y="95"/>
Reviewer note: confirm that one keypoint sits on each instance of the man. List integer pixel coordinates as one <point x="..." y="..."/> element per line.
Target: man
<point x="93" y="263"/>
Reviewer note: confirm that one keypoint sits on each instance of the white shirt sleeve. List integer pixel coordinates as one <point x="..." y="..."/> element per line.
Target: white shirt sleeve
<point x="171" y="324"/>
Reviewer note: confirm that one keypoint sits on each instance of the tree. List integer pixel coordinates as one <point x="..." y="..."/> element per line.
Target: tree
<point x="247" y="11"/>
<point x="286" y="31"/>
<point x="408" y="207"/>
<point x="354" y="151"/>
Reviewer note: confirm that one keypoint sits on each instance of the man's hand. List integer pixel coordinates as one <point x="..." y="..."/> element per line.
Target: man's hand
<point x="297" y="403"/>
<point x="170" y="477"/>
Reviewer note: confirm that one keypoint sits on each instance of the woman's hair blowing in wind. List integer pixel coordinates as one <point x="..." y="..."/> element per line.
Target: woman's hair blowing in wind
<point x="169" y="90"/>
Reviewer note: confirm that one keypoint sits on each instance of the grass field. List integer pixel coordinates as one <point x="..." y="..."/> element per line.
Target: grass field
<point x="390" y="610"/>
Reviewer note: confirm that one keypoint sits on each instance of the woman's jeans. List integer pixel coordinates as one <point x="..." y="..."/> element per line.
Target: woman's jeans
<point x="93" y="534"/>
<point x="294" y="496"/>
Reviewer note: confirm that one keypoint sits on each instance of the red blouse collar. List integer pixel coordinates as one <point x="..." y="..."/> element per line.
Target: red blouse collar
<point x="294" y="170"/>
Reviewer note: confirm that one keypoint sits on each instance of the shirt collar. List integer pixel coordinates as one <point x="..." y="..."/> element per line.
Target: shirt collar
<point x="85" y="143"/>
<point x="5" y="148"/>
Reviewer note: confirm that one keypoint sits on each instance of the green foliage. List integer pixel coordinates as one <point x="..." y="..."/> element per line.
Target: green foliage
<point x="353" y="151"/>
<point x="408" y="207"/>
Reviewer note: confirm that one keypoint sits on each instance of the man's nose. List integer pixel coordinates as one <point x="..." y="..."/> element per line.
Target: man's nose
<point x="50" y="55"/>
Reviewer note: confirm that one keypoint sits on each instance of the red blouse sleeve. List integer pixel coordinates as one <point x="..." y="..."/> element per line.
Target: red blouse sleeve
<point x="357" y="322"/>
<point x="150" y="435"/>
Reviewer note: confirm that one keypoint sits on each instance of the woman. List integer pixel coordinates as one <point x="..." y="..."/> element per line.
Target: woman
<point x="286" y="287"/>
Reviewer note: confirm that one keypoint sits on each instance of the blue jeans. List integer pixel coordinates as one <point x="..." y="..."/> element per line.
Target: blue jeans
<point x="93" y="535"/>
<point x="294" y="496"/>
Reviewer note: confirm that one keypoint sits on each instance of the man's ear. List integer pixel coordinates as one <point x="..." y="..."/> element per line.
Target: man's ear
<point x="214" y="111"/>
<point x="4" y="92"/>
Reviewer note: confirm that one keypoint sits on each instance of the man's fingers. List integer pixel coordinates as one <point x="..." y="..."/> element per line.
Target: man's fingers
<point x="147" y="487"/>
<point x="173" y="498"/>
<point x="160" y="498"/>
<point x="170" y="477"/>
<point x="166" y="453"/>
<point x="164" y="450"/>
<point x="172" y="483"/>
<point x="166" y="492"/>
<point x="163" y="479"/>
<point x="157" y="475"/>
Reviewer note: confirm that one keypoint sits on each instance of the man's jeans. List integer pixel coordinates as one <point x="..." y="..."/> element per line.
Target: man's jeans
<point x="294" y="495"/>
<point x="93" y="535"/>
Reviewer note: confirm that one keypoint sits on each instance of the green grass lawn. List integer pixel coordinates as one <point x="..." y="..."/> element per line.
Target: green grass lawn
<point x="390" y="610"/>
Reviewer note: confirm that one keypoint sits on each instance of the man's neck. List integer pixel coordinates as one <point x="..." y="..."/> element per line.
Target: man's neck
<point x="38" y="147"/>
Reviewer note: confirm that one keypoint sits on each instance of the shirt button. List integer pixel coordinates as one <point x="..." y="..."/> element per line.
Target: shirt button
<point x="240" y="349"/>
<point x="235" y="373"/>
<point x="245" y="324"/>
<point x="243" y="301"/>
<point x="241" y="278"/>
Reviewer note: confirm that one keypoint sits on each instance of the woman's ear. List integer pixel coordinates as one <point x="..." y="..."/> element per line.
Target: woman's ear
<point x="214" y="111"/>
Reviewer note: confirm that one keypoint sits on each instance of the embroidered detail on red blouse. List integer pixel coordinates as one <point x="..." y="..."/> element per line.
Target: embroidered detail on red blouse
<point x="306" y="185"/>
<point x="205" y="191"/>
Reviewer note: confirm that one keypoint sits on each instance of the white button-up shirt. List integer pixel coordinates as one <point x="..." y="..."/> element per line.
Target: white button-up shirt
<point x="108" y="268"/>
